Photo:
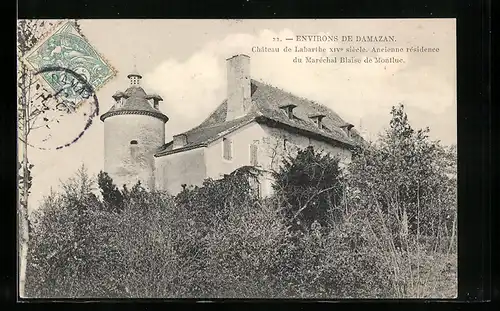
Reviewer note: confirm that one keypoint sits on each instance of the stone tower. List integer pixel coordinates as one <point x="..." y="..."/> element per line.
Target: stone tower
<point x="134" y="129"/>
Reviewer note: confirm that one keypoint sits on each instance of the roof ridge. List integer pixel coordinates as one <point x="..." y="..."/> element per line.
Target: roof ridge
<point x="266" y="98"/>
<point x="310" y="101"/>
<point x="235" y="121"/>
<point x="212" y="113"/>
<point x="282" y="90"/>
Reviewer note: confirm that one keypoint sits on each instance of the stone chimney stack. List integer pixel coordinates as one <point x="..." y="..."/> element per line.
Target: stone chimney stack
<point x="238" y="86"/>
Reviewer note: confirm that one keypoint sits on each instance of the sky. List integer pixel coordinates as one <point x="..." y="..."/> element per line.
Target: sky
<point x="184" y="62"/>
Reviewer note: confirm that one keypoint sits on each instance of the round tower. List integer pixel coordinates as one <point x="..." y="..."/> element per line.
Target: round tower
<point x="134" y="129"/>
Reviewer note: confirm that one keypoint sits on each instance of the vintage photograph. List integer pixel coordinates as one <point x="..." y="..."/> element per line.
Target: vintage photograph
<point x="255" y="159"/>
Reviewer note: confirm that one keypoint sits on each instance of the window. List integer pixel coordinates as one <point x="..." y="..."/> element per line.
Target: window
<point x="227" y="149"/>
<point x="288" y="109"/>
<point x="317" y="118"/>
<point x="255" y="187"/>
<point x="253" y="154"/>
<point x="347" y="129"/>
<point x="134" y="150"/>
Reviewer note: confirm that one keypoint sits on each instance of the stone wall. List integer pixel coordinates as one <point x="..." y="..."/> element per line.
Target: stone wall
<point x="124" y="161"/>
<point x="174" y="170"/>
<point x="273" y="145"/>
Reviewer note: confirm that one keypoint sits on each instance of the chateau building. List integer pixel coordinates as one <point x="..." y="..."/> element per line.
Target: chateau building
<point x="256" y="125"/>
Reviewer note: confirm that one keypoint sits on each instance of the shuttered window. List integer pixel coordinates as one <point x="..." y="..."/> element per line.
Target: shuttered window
<point x="227" y="149"/>
<point x="253" y="155"/>
<point x="255" y="187"/>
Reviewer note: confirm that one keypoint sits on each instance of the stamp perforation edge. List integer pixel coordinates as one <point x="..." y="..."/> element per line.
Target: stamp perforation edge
<point x="51" y="31"/>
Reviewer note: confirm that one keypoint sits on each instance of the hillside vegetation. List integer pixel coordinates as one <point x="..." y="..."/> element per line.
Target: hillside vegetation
<point x="385" y="228"/>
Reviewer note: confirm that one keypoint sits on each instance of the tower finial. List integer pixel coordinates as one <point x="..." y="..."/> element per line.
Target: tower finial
<point x="135" y="63"/>
<point x="134" y="76"/>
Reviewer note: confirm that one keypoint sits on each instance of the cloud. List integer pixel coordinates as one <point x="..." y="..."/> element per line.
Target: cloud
<point x="195" y="87"/>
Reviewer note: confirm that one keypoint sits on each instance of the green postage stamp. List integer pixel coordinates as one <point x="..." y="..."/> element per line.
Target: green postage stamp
<point x="66" y="50"/>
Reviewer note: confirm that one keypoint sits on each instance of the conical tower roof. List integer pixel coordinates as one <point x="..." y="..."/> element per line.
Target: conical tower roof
<point x="134" y="101"/>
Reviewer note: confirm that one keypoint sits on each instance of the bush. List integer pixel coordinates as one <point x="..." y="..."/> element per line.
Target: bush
<point x="403" y="188"/>
<point x="386" y="229"/>
<point x="310" y="184"/>
<point x="67" y="248"/>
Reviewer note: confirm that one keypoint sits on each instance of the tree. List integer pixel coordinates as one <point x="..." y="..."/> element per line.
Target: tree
<point x="236" y="236"/>
<point x="31" y="105"/>
<point x="311" y="183"/>
<point x="111" y="195"/>
<point x="80" y="249"/>
<point x="393" y="235"/>
<point x="403" y="189"/>
<point x="216" y="195"/>
<point x="68" y="246"/>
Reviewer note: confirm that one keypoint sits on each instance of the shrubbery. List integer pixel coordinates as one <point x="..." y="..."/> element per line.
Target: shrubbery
<point x="387" y="228"/>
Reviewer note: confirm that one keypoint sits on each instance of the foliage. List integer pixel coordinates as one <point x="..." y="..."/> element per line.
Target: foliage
<point x="311" y="185"/>
<point x="36" y="104"/>
<point x="65" y="240"/>
<point x="212" y="200"/>
<point x="25" y="179"/>
<point x="409" y="177"/>
<point x="29" y="110"/>
<point x="403" y="188"/>
<point x="112" y="197"/>
<point x="390" y="233"/>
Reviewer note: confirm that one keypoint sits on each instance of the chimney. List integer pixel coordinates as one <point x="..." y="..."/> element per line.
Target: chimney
<point x="179" y="141"/>
<point x="238" y="86"/>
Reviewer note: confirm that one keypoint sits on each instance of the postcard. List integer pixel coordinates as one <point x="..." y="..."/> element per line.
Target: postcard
<point x="256" y="159"/>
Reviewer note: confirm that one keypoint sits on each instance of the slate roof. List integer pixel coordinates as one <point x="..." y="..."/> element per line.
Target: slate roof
<point x="136" y="102"/>
<point x="266" y="103"/>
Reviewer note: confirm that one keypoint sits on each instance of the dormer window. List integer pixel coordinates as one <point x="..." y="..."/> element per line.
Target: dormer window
<point x="119" y="98"/>
<point x="317" y="118"/>
<point x="347" y="128"/>
<point x="288" y="108"/>
<point x="156" y="100"/>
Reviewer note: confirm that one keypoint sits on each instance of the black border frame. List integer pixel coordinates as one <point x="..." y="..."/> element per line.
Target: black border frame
<point x="474" y="114"/>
